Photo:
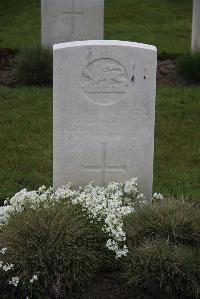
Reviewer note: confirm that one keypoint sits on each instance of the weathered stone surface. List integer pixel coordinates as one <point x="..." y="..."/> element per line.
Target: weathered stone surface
<point x="196" y="26"/>
<point x="104" y="98"/>
<point x="69" y="20"/>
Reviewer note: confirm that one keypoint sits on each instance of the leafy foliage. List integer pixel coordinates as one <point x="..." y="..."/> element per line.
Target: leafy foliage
<point x="163" y="270"/>
<point x="163" y="239"/>
<point x="59" y="244"/>
<point x="35" y="67"/>
<point x="189" y="67"/>
<point x="175" y="221"/>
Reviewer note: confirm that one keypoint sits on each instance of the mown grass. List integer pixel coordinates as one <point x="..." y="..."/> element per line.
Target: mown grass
<point x="177" y="141"/>
<point x="26" y="113"/>
<point x="19" y="23"/>
<point x="26" y="140"/>
<point x="166" y="23"/>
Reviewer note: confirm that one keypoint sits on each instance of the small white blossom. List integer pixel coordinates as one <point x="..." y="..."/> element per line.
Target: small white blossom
<point x="108" y="205"/>
<point x="42" y="189"/>
<point x="8" y="267"/>
<point x="14" y="281"/>
<point x="131" y="186"/>
<point x="35" y="277"/>
<point x="140" y="196"/>
<point x="157" y="196"/>
<point x="3" y="250"/>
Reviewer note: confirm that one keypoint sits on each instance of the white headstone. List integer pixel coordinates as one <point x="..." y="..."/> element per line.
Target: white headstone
<point x="69" y="20"/>
<point x="196" y="27"/>
<point x="104" y="106"/>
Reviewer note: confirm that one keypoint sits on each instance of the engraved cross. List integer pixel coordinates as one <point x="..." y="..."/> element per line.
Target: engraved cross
<point x="72" y="13"/>
<point x="104" y="167"/>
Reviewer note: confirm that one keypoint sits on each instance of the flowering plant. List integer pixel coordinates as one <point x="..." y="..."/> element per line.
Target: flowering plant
<point x="106" y="206"/>
<point x="102" y="204"/>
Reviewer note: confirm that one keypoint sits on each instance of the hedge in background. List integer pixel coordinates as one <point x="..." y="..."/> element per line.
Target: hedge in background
<point x="189" y="67"/>
<point x="35" y="67"/>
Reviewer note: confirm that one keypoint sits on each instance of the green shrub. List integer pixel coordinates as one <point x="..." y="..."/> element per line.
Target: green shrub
<point x="189" y="67"/>
<point x="172" y="220"/>
<point x="59" y="243"/>
<point x="35" y="67"/>
<point x="163" y="239"/>
<point x="163" y="270"/>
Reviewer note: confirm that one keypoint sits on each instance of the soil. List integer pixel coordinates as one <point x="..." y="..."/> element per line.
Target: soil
<point x="7" y="67"/>
<point x="166" y="71"/>
<point x="106" y="285"/>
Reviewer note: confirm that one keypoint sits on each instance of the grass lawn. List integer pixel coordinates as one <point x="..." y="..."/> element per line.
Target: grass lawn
<point x="26" y="113"/>
<point x="26" y="161"/>
<point x="26" y="140"/>
<point x="164" y="23"/>
<point x="177" y="141"/>
<point x="26" y="157"/>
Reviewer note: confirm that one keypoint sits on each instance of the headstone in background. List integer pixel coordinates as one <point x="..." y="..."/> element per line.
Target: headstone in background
<point x="196" y="27"/>
<point x="69" y="20"/>
<point x="104" y="106"/>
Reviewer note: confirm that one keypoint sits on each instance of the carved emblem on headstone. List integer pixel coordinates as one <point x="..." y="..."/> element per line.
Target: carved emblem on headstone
<point x="104" y="80"/>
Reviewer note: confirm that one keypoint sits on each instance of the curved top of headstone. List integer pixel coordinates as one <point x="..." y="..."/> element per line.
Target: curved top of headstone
<point x="104" y="43"/>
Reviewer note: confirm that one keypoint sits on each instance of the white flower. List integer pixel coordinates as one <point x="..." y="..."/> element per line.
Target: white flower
<point x="157" y="196"/>
<point x="8" y="267"/>
<point x="14" y="281"/>
<point x="140" y="196"/>
<point x="34" y="277"/>
<point x="42" y="189"/>
<point x="3" y="250"/>
<point x="108" y="205"/>
<point x="131" y="186"/>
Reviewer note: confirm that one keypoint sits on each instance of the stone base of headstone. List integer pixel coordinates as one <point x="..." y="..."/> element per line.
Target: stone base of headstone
<point x="196" y="27"/>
